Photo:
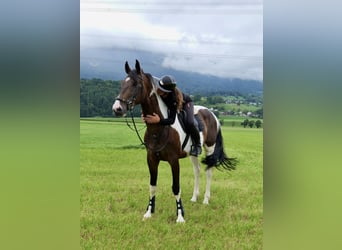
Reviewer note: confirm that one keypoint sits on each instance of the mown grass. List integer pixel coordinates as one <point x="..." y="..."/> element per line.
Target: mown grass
<point x="114" y="183"/>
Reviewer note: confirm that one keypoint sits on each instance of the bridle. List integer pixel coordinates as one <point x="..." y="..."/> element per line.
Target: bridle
<point x="130" y="104"/>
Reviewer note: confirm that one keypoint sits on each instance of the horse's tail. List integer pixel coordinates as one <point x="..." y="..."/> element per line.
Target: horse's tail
<point x="219" y="158"/>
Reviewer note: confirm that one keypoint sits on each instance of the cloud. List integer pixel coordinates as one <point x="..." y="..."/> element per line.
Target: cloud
<point x="223" y="40"/>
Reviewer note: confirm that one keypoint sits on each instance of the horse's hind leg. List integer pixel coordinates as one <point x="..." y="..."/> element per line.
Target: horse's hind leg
<point x="153" y="167"/>
<point x="196" y="166"/>
<point x="209" y="173"/>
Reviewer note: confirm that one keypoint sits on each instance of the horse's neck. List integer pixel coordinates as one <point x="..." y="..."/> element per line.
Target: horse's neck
<point x="152" y="102"/>
<point x="150" y="106"/>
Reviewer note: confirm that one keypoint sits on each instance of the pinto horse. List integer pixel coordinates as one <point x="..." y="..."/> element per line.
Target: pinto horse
<point x="168" y="143"/>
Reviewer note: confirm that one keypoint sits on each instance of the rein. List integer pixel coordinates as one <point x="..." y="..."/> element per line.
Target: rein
<point x="130" y="107"/>
<point x="135" y="127"/>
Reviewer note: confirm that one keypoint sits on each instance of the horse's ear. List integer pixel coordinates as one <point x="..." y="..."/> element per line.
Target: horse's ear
<point x="127" y="68"/>
<point x="137" y="66"/>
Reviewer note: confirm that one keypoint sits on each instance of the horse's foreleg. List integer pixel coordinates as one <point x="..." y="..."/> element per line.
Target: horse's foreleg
<point x="209" y="173"/>
<point x="179" y="208"/>
<point x="196" y="166"/>
<point x="151" y="204"/>
<point x="153" y="167"/>
<point x="177" y="191"/>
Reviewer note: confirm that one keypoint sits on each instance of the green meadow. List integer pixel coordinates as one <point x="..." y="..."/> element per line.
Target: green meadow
<point x="114" y="194"/>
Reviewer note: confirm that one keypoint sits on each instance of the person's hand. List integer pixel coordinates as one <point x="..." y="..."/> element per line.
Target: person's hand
<point x="152" y="118"/>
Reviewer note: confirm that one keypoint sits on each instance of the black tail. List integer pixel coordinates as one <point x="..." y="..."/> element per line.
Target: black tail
<point x="219" y="158"/>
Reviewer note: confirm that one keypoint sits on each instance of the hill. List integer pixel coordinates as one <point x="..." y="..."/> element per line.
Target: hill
<point x="105" y="64"/>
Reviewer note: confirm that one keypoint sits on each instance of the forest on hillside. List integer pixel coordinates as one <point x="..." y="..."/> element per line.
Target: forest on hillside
<point x="97" y="97"/>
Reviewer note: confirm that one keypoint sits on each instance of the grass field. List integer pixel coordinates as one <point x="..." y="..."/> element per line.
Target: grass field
<point x="114" y="188"/>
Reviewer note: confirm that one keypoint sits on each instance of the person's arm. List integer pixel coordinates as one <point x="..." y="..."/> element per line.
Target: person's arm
<point x="171" y="119"/>
<point x="155" y="118"/>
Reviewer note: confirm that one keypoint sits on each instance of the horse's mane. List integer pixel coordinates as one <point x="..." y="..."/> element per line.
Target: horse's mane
<point x="151" y="80"/>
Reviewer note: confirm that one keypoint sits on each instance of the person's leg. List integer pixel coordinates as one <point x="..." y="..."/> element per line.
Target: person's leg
<point x="196" y="148"/>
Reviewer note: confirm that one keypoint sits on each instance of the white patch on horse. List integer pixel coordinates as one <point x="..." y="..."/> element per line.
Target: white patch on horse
<point x="180" y="218"/>
<point x="148" y="214"/>
<point x="209" y="150"/>
<point x="153" y="190"/>
<point x="197" y="167"/>
<point x="197" y="108"/>
<point x="209" y="173"/>
<point x="154" y="88"/>
<point x="116" y="105"/>
<point x="176" y="125"/>
<point x="162" y="106"/>
<point x="127" y="79"/>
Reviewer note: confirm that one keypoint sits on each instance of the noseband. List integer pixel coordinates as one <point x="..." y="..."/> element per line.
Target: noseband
<point x="130" y="103"/>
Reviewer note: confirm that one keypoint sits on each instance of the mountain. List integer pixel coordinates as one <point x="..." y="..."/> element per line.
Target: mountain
<point x="108" y="64"/>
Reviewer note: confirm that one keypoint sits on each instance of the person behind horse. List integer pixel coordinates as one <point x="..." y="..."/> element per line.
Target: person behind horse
<point x="176" y="101"/>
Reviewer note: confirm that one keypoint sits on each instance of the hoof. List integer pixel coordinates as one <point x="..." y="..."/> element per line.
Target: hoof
<point x="180" y="219"/>
<point x="147" y="215"/>
<point x="206" y="201"/>
<point x="193" y="199"/>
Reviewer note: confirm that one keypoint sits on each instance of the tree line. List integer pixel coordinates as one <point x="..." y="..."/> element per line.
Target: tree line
<point x="251" y="123"/>
<point x="97" y="97"/>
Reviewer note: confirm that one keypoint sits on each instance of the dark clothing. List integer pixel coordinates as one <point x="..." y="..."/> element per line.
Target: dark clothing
<point x="171" y="103"/>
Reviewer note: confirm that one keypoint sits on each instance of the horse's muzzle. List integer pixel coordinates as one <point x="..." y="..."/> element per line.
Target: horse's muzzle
<point x="118" y="109"/>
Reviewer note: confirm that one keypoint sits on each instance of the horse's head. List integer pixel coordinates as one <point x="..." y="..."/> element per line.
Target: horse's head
<point x="131" y="92"/>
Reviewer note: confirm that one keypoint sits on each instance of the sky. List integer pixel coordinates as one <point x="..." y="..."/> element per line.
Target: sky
<point x="221" y="38"/>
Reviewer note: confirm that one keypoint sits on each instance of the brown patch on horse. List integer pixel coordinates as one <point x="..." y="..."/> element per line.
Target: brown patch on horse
<point x="165" y="143"/>
<point x="210" y="128"/>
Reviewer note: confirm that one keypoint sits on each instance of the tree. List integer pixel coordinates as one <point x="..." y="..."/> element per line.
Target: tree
<point x="97" y="97"/>
<point x="212" y="100"/>
<point x="258" y="123"/>
<point x="251" y="124"/>
<point x="197" y="98"/>
<point x="245" y="123"/>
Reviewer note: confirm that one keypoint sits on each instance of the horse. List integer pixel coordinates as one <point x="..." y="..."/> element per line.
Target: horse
<point x="168" y="143"/>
